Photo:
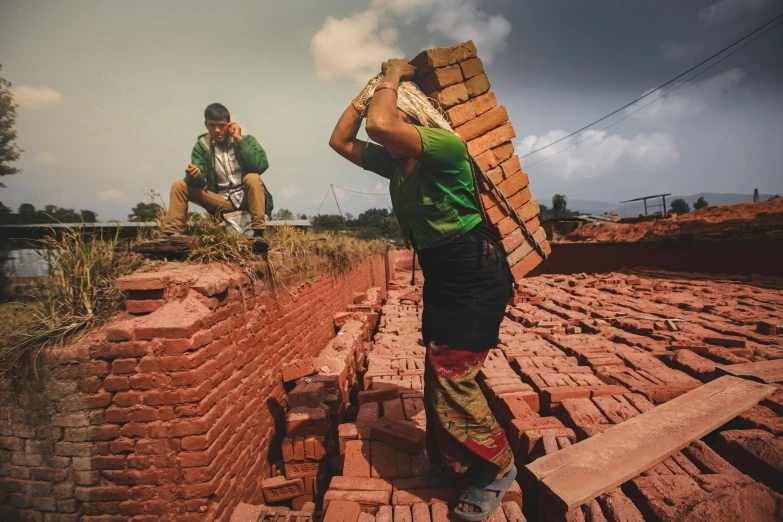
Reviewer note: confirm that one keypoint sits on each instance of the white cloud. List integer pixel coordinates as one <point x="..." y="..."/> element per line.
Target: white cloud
<point x="45" y="158"/>
<point x="355" y="46"/>
<point x="35" y="98"/>
<point x="290" y="191"/>
<point x="110" y="195"/>
<point x="726" y="11"/>
<point x="600" y="154"/>
<point x="146" y="167"/>
<point x="690" y="100"/>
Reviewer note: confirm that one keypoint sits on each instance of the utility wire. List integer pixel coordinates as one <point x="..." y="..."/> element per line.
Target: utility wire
<point x="654" y="90"/>
<point x="318" y="212"/>
<point x="527" y="167"/>
<point x="365" y="193"/>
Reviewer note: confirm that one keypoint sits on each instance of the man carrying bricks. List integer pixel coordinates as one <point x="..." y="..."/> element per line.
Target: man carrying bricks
<point x="224" y="175"/>
<point x="467" y="281"/>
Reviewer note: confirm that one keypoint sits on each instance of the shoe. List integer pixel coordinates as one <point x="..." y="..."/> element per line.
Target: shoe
<point x="258" y="233"/>
<point x="260" y="245"/>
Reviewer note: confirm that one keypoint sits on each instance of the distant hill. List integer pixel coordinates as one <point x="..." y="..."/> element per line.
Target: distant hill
<point x="586" y="206"/>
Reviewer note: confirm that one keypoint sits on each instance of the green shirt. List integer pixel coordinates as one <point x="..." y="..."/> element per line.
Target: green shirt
<point x="437" y="202"/>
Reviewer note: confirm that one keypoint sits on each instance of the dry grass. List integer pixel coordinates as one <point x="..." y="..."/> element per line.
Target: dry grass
<point x="80" y="293"/>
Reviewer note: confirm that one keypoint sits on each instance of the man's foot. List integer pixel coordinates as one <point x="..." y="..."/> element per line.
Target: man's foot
<point x="258" y="233"/>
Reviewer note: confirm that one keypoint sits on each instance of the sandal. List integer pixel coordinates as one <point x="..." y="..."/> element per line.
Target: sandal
<point x="477" y="496"/>
<point x="441" y="477"/>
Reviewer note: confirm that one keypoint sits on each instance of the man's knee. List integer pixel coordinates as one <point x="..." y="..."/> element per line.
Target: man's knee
<point x="179" y="186"/>
<point x="252" y="179"/>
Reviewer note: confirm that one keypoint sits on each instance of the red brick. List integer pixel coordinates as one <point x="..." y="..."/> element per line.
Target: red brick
<point x="381" y="395"/>
<point x="398" y="434"/>
<point x="472" y="67"/>
<point x="357" y="458"/>
<point x="309" y="395"/>
<point x="303" y="469"/>
<point x="484" y="103"/>
<point x="477" y="85"/>
<point x="450" y="96"/>
<point x="522" y="246"/>
<point x="298" y="369"/>
<point x="279" y="488"/>
<point x="345" y="483"/>
<point x="369" y="411"/>
<point x="483" y="124"/>
<point x="459" y="114"/>
<point x="443" y="56"/>
<point x="498" y="211"/>
<point x="410" y="497"/>
<point x="402" y="513"/>
<point x="314" y="448"/>
<point x="113" y="383"/>
<point x="123" y="366"/>
<point x="421" y="512"/>
<point x="492" y="139"/>
<point x="440" y="78"/>
<point x="145" y="306"/>
<point x="383" y="461"/>
<point x="368" y="500"/>
<point x="301" y="422"/>
<point x="299" y="449"/>
<point x="509" y="187"/>
<point x="440" y="512"/>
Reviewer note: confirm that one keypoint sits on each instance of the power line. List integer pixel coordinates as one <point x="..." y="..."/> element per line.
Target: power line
<point x="364" y="193"/>
<point x="317" y="212"/>
<point x="654" y="90"/>
<point x="655" y="100"/>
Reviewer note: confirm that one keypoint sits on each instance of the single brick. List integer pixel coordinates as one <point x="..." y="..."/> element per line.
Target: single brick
<point x="482" y="124"/>
<point x="357" y="458"/>
<point x="459" y="114"/>
<point x="472" y="67"/>
<point x="398" y="434"/>
<point x="298" y="369"/>
<point x="450" y="96"/>
<point x="342" y="511"/>
<point x="279" y="488"/>
<point x="477" y="85"/>
<point x="440" y="78"/>
<point x="492" y="139"/>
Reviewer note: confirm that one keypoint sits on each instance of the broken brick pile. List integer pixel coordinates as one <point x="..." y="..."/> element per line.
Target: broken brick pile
<point x="455" y="79"/>
<point x="320" y="392"/>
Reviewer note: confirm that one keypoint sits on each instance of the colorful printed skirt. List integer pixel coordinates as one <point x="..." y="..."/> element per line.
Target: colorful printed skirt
<point x="462" y="432"/>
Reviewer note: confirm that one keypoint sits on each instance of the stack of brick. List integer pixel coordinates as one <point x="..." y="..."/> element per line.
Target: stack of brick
<point x="435" y="511"/>
<point x="454" y="78"/>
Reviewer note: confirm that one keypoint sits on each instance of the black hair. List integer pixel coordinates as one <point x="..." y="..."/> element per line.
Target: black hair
<point x="216" y="112"/>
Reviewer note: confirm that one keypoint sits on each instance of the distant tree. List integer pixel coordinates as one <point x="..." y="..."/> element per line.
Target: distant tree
<point x="284" y="214"/>
<point x="5" y="214"/>
<point x="302" y="216"/>
<point x="9" y="150"/>
<point x="680" y="206"/>
<point x="88" y="216"/>
<point x="544" y="212"/>
<point x="700" y="203"/>
<point x="328" y="222"/>
<point x="559" y="205"/>
<point x="145" y="212"/>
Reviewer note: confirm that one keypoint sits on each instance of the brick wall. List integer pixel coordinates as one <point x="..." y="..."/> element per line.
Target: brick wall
<point x="168" y="415"/>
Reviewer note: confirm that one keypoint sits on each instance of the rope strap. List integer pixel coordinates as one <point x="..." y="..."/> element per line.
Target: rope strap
<point x="512" y="211"/>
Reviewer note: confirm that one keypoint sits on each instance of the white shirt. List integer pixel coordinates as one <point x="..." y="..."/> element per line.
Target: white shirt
<point x="228" y="174"/>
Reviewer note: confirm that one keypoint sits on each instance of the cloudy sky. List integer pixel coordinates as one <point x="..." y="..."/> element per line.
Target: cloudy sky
<point x="112" y="93"/>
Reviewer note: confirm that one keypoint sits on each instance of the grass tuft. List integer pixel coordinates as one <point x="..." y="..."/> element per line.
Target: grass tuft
<point x="79" y="294"/>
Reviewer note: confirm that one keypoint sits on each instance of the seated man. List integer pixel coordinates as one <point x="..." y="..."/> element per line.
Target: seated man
<point x="224" y="175"/>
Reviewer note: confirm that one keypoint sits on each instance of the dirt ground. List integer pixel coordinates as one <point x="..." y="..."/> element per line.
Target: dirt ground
<point x="764" y="219"/>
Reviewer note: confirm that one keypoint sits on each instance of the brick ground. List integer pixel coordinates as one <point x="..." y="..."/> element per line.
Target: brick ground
<point x="580" y="354"/>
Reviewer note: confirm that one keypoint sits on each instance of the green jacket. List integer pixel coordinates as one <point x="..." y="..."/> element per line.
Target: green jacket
<point x="249" y="153"/>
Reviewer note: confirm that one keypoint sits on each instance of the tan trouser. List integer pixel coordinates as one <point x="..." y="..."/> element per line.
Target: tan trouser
<point x="215" y="204"/>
